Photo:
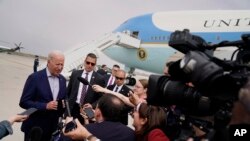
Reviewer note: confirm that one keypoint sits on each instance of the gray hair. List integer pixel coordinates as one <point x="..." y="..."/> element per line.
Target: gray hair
<point x="54" y="53"/>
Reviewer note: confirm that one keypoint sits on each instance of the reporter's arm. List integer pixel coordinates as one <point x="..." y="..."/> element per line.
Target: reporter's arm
<point x="17" y="118"/>
<point x="5" y="128"/>
<point x="107" y="91"/>
<point x="80" y="133"/>
<point x="6" y="125"/>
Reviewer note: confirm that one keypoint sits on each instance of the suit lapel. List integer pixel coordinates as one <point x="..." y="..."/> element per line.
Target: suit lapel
<point x="45" y="81"/>
<point x="122" y="89"/>
<point x="92" y="80"/>
<point x="79" y="74"/>
<point x="61" y="87"/>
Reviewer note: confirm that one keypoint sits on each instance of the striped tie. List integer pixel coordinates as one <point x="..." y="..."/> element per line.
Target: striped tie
<point x="84" y="90"/>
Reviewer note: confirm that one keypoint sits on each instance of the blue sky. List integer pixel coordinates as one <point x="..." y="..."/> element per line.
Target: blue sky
<point x="43" y="25"/>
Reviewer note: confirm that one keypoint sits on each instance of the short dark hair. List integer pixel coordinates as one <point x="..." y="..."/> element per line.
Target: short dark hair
<point x="91" y="55"/>
<point x="115" y="65"/>
<point x="111" y="107"/>
<point x="103" y="66"/>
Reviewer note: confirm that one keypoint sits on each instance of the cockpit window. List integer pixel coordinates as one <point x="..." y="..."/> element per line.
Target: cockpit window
<point x="135" y="34"/>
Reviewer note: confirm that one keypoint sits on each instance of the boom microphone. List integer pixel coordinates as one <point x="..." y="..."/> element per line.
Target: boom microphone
<point x="84" y="81"/>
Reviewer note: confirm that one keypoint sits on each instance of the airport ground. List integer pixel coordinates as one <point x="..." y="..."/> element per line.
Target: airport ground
<point x="14" y="71"/>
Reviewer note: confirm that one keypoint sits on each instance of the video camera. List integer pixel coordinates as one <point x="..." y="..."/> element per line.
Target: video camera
<point x="215" y="82"/>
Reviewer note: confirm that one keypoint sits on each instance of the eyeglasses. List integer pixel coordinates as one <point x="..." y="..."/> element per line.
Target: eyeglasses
<point x="121" y="78"/>
<point x="92" y="64"/>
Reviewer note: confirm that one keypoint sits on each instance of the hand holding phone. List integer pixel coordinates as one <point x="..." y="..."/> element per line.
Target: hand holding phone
<point x="70" y="126"/>
<point x="89" y="112"/>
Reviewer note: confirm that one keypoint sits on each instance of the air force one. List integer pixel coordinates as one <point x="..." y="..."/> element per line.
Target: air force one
<point x="142" y="42"/>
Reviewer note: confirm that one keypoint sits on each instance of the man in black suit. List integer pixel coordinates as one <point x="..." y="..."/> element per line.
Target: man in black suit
<point x="80" y="94"/>
<point x="107" y="126"/>
<point x="102" y="70"/>
<point x="119" y="87"/>
<point x="110" y="78"/>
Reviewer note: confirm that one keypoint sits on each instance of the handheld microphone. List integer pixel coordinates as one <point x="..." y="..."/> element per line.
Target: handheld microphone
<point x="67" y="107"/>
<point x="84" y="81"/>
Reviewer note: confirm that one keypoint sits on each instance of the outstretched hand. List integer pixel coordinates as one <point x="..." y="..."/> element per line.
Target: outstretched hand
<point x="98" y="88"/>
<point x="79" y="133"/>
<point x="17" y="118"/>
<point x="134" y="98"/>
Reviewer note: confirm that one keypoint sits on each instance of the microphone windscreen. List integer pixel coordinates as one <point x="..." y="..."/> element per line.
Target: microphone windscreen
<point x="84" y="81"/>
<point x="36" y="134"/>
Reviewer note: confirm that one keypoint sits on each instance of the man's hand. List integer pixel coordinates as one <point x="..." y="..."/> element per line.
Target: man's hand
<point x="87" y="105"/>
<point x="79" y="133"/>
<point x="52" y="105"/>
<point x="98" y="88"/>
<point x="17" y="118"/>
<point x="134" y="98"/>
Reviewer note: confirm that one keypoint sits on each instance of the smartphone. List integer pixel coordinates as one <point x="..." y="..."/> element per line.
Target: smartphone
<point x="29" y="111"/>
<point x="89" y="112"/>
<point x="70" y="126"/>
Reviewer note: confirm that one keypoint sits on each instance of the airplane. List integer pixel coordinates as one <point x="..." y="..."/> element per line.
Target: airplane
<point x="9" y="50"/>
<point x="142" y="42"/>
<point x="151" y="33"/>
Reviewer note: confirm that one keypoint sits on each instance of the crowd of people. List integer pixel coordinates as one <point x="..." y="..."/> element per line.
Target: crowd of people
<point x="105" y="94"/>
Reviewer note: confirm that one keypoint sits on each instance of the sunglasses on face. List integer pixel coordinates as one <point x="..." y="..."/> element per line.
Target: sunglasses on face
<point x="120" y="78"/>
<point x="92" y="64"/>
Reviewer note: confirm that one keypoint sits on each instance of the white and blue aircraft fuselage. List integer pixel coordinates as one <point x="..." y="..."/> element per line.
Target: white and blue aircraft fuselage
<point x="153" y="32"/>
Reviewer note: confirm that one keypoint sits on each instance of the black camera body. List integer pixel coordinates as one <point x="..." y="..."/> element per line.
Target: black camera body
<point x="215" y="82"/>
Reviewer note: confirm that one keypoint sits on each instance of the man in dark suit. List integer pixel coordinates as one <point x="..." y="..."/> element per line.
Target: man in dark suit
<point x="110" y="78"/>
<point x="36" y="63"/>
<point x="102" y="70"/>
<point x="119" y="87"/>
<point x="80" y="94"/>
<point x="107" y="126"/>
<point x="44" y="90"/>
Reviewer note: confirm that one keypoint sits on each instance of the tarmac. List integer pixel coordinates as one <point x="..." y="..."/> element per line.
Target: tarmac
<point x="15" y="68"/>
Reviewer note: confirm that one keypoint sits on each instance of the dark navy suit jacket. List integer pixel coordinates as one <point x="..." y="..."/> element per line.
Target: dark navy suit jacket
<point x="111" y="131"/>
<point x="37" y="94"/>
<point x="124" y="90"/>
